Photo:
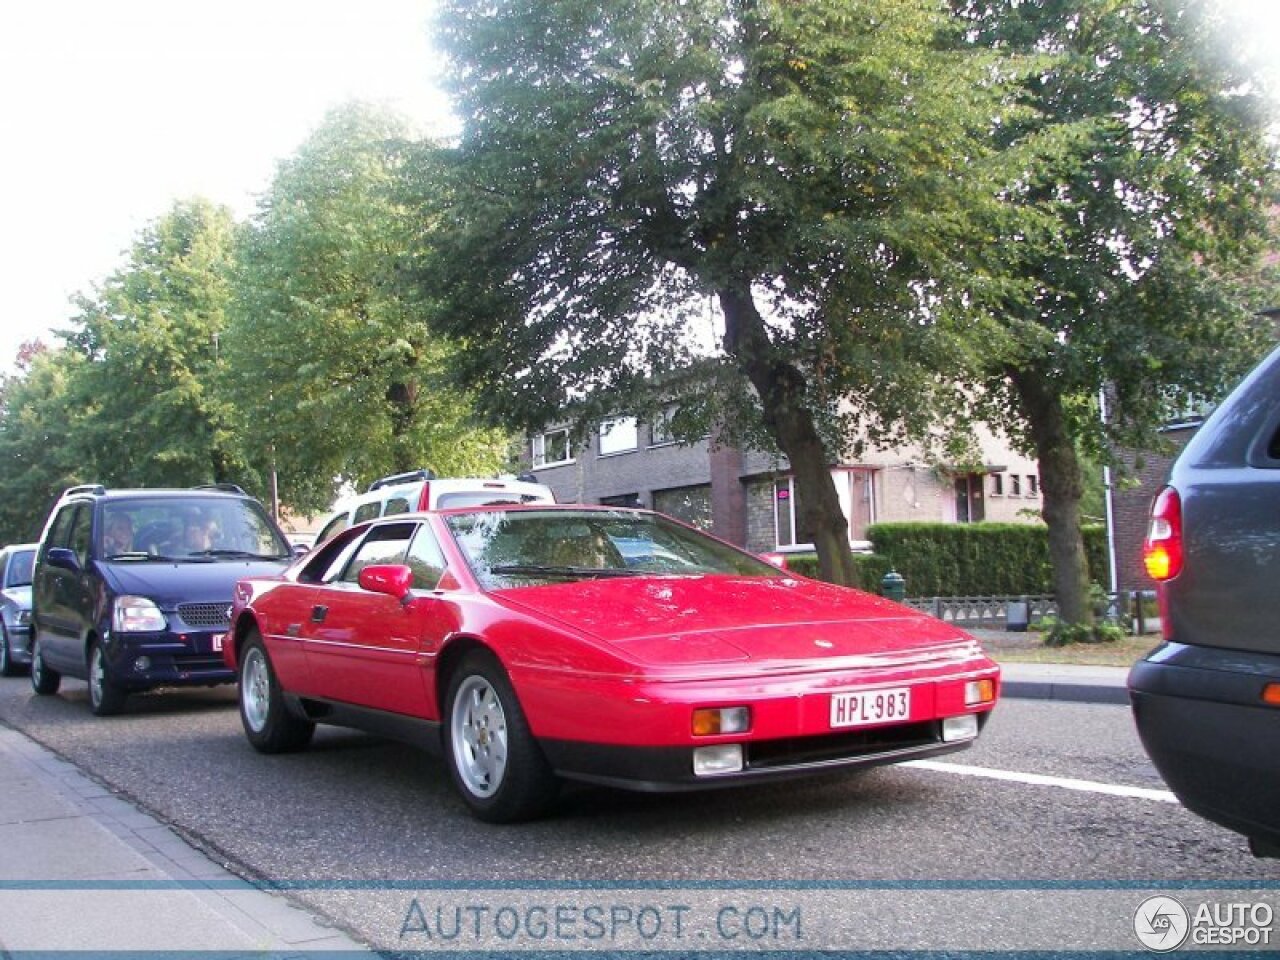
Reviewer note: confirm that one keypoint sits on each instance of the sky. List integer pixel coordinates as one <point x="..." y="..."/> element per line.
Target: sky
<point x="114" y="109"/>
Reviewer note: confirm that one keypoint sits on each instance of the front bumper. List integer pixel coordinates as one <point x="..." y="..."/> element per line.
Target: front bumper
<point x="1201" y="719"/>
<point x="145" y="660"/>
<point x="670" y="769"/>
<point x="19" y="643"/>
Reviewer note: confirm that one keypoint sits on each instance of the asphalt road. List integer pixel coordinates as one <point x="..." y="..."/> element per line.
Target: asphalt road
<point x="353" y="809"/>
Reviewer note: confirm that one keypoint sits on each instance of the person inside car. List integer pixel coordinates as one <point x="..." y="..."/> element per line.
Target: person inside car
<point x="118" y="537"/>
<point x="197" y="536"/>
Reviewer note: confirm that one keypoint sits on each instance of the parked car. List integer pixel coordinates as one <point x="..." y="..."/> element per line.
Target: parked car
<point x="423" y="490"/>
<point x="1207" y="701"/>
<point x="132" y="588"/>
<point x="15" y="607"/>
<point x="525" y="644"/>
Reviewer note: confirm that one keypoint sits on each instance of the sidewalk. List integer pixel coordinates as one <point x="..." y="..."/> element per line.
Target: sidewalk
<point x="83" y="870"/>
<point x="1057" y="681"/>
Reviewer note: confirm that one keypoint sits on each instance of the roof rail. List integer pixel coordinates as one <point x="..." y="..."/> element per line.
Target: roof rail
<point x="423" y="474"/>
<point x="224" y="487"/>
<point x="94" y="488"/>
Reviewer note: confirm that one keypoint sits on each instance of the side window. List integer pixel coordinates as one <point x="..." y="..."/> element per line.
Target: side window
<point x="60" y="532"/>
<point x="396" y="505"/>
<point x="426" y="559"/>
<point x="333" y="526"/>
<point x="79" y="540"/>
<point x="388" y="543"/>
<point x="366" y="511"/>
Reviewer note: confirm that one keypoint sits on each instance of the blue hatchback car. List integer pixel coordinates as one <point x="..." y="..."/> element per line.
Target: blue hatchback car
<point x="132" y="588"/>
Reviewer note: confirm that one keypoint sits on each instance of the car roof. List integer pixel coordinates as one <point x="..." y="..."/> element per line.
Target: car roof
<point x="141" y="493"/>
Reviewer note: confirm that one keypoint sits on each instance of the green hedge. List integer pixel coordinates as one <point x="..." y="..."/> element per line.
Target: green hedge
<point x="870" y="567"/>
<point x="963" y="559"/>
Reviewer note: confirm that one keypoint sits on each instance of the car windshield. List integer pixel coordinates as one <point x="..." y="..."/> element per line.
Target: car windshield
<point x="525" y="547"/>
<point x="192" y="529"/>
<point x="19" y="572"/>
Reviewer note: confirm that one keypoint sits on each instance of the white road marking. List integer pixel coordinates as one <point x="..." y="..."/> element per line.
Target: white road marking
<point x="1039" y="780"/>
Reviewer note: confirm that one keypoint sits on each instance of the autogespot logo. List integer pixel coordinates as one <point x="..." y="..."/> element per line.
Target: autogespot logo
<point x="1161" y="923"/>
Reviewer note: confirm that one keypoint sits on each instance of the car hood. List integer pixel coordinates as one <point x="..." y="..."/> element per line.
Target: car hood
<point x="722" y="619"/>
<point x="20" y="597"/>
<point x="167" y="584"/>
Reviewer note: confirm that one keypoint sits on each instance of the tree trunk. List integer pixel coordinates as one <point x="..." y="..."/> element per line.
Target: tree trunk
<point x="1061" y="487"/>
<point x="790" y="422"/>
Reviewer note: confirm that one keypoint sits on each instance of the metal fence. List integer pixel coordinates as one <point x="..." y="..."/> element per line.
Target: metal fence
<point x="989" y="612"/>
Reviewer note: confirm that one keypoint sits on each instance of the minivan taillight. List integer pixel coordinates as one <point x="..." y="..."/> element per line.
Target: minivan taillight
<point x="1162" y="550"/>
<point x="424" y="498"/>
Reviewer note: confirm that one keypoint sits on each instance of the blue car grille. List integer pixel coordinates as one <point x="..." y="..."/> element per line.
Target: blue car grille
<point x="205" y="614"/>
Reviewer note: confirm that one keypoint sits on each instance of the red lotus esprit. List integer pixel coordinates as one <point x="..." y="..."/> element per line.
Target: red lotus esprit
<point x="613" y="646"/>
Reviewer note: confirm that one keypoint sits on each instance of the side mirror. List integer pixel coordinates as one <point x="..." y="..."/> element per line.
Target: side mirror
<point x="393" y="579"/>
<point x="63" y="559"/>
<point x="779" y="560"/>
<point x="299" y="549"/>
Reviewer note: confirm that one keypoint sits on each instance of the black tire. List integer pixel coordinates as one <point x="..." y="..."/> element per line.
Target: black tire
<point x="268" y="723"/>
<point x="44" y="679"/>
<point x="106" y="697"/>
<point x="7" y="667"/>
<point x="483" y="712"/>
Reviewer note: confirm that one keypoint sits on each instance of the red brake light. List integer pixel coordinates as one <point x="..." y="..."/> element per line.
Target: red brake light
<point x="424" y="498"/>
<point x="1162" y="550"/>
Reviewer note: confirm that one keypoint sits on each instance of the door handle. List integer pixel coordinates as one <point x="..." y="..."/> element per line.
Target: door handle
<point x="318" y="613"/>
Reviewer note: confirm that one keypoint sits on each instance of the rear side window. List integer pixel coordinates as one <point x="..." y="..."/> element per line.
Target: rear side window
<point x="396" y="505"/>
<point x="366" y="511"/>
<point x="385" y="544"/>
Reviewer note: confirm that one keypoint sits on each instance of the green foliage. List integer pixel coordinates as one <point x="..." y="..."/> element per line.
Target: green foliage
<point x="1058" y="633"/>
<point x="870" y="568"/>
<point x="330" y="365"/>
<point x="977" y="559"/>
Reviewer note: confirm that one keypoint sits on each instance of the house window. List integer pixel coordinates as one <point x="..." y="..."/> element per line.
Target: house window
<point x="690" y="504"/>
<point x="791" y="531"/>
<point x="621" y="500"/>
<point x="1015" y="485"/>
<point x="618" y="436"/>
<point x="997" y="485"/>
<point x="1033" y="485"/>
<point x="660" y="429"/>
<point x="551" y="448"/>
<point x="969" y="503"/>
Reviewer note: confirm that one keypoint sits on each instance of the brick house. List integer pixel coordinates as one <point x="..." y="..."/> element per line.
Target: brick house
<point x="748" y="497"/>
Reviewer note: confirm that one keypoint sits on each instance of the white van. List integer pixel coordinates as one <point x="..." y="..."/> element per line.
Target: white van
<point x="423" y="490"/>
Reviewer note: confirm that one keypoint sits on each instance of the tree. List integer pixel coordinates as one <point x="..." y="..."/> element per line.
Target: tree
<point x="811" y="168"/>
<point x="1126" y="262"/>
<point x="148" y="339"/>
<point x="333" y="372"/>
<point x="36" y="461"/>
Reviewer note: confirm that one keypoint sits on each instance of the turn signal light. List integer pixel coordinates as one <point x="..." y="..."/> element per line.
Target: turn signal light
<point x="1271" y="694"/>
<point x="709" y="721"/>
<point x="1162" y="550"/>
<point x="979" y="691"/>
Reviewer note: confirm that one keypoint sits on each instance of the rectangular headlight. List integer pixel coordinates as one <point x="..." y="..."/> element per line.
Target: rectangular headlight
<point x="960" y="728"/>
<point x="723" y="758"/>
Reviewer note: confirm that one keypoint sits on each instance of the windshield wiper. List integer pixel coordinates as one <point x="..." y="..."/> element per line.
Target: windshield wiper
<point x="536" y="570"/>
<point x="133" y="555"/>
<point x="245" y="554"/>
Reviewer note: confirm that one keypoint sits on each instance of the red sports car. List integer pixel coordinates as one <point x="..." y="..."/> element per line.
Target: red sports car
<point x="614" y="646"/>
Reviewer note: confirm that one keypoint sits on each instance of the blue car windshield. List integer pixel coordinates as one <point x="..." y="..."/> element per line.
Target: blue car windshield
<point x="192" y="529"/>
<point x="515" y="548"/>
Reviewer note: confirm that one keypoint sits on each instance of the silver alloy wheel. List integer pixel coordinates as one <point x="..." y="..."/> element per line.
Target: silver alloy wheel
<point x="37" y="664"/>
<point x="97" y="675"/>
<point x="255" y="689"/>
<point x="478" y="731"/>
